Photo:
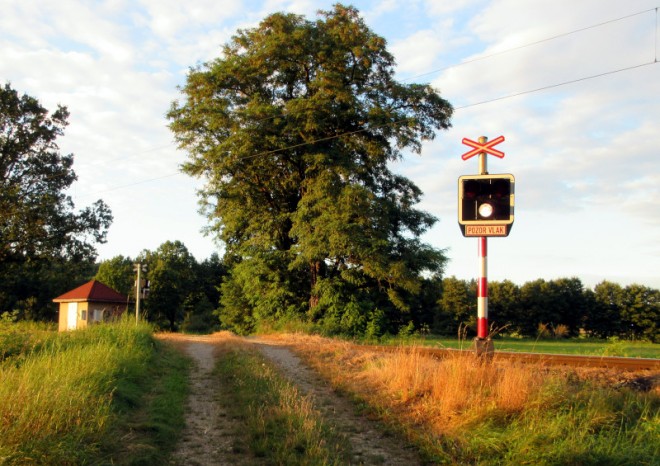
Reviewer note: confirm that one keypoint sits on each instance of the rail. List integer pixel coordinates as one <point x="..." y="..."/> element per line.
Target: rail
<point x="628" y="364"/>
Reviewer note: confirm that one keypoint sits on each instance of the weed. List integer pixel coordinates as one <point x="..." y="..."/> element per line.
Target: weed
<point x="284" y="427"/>
<point x="615" y="347"/>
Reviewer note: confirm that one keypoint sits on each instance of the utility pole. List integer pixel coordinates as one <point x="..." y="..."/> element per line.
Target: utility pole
<point x="138" y="267"/>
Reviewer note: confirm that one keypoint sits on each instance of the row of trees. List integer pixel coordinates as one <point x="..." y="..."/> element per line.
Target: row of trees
<point x="187" y="295"/>
<point x="563" y="306"/>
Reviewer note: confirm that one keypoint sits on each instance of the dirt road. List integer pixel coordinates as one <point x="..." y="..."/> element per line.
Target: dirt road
<point x="209" y="436"/>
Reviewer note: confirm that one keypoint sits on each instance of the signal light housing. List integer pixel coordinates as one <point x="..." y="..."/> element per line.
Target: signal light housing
<point x="485" y="204"/>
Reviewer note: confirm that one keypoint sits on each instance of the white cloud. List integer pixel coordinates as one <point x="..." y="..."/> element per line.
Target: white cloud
<point x="443" y="8"/>
<point x="169" y="19"/>
<point x="418" y="53"/>
<point x="536" y="20"/>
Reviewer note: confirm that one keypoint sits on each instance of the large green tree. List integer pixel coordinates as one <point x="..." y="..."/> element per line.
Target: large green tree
<point x="640" y="312"/>
<point x="294" y="128"/>
<point x="38" y="223"/>
<point x="37" y="218"/>
<point x="604" y="318"/>
<point x="504" y="305"/>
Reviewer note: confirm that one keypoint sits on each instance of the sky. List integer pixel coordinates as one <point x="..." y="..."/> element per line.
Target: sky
<point x="573" y="86"/>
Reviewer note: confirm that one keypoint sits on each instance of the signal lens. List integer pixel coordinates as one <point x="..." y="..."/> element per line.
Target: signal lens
<point x="485" y="210"/>
<point x="500" y="188"/>
<point x="471" y="189"/>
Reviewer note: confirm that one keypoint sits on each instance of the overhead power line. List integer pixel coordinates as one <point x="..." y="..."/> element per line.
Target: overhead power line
<point x="537" y="42"/>
<point x="496" y="99"/>
<point x="656" y="34"/>
<point x="508" y="96"/>
<point x="466" y="62"/>
<point x="552" y="86"/>
<point x="316" y="141"/>
<point x="114" y="188"/>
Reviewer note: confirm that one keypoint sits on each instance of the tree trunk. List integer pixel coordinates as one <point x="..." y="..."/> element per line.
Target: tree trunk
<point x="315" y="270"/>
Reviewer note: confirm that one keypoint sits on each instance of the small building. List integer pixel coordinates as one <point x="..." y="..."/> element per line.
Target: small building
<point x="89" y="303"/>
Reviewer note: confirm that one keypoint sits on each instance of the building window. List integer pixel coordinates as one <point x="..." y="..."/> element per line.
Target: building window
<point x="83" y="315"/>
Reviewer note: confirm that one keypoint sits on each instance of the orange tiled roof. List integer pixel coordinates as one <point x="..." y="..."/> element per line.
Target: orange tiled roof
<point x="93" y="290"/>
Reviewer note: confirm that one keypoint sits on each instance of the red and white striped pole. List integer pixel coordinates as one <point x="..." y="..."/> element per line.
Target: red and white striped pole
<point x="482" y="290"/>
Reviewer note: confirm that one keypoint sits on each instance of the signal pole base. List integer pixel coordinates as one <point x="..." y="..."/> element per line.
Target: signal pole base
<point x="484" y="348"/>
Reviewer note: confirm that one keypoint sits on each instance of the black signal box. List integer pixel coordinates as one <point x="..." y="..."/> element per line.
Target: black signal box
<point x="486" y="204"/>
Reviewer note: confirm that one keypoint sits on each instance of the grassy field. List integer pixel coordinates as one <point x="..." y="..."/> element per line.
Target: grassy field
<point x="20" y="339"/>
<point x="113" y="395"/>
<point x="105" y="395"/>
<point x="612" y="347"/>
<point x="461" y="411"/>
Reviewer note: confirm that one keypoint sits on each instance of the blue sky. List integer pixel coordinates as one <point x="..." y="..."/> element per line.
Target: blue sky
<point x="580" y="112"/>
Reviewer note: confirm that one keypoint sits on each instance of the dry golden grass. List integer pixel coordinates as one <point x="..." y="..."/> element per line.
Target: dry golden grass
<point x="442" y="394"/>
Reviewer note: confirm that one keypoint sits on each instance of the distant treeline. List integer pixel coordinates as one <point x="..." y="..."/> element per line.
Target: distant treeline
<point x="183" y="292"/>
<point x="559" y="308"/>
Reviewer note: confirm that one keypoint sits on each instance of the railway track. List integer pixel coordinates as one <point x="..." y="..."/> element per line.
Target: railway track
<point x="626" y="364"/>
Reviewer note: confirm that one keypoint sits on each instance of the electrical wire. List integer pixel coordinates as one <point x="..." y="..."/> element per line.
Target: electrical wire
<point x="508" y="96"/>
<point x="530" y="44"/>
<point x="146" y="151"/>
<point x="114" y="188"/>
<point x="496" y="99"/>
<point x="316" y="141"/>
<point x="656" y="34"/>
<point x="553" y="86"/>
<point x="477" y="59"/>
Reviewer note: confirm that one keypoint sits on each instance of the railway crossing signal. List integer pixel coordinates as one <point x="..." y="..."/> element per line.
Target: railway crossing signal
<point x="485" y="208"/>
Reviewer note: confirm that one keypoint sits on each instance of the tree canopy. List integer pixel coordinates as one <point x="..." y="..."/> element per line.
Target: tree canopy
<point x="39" y="228"/>
<point x="294" y="128"/>
<point x="118" y="274"/>
<point x="183" y="294"/>
<point x="36" y="216"/>
<point x="171" y="270"/>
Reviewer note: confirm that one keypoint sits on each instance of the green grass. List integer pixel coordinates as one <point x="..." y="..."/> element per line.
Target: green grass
<point x="23" y="338"/>
<point x="614" y="347"/>
<point x="150" y="410"/>
<point x="573" y="425"/>
<point x="68" y="398"/>
<point x="282" y="425"/>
